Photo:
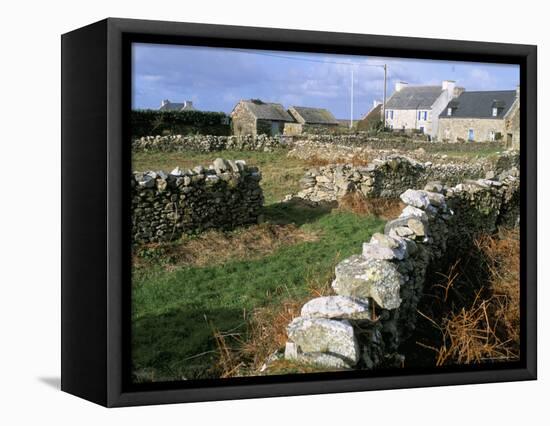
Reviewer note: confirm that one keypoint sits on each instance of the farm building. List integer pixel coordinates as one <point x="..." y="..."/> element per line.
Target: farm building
<point x="482" y="116"/>
<point x="255" y="117"/>
<point x="166" y="105"/>
<point x="417" y="108"/>
<point x="371" y="118"/>
<point x="307" y="118"/>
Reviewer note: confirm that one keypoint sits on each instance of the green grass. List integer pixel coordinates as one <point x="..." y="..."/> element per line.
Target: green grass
<point x="175" y="312"/>
<point x="280" y="174"/>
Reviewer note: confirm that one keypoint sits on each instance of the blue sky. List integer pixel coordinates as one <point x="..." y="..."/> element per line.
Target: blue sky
<point x="215" y="79"/>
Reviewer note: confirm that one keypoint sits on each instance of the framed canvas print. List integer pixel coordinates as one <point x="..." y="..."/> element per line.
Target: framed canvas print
<point x="253" y="212"/>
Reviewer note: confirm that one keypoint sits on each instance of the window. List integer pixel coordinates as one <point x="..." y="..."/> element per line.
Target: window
<point x="391" y="114"/>
<point x="425" y="114"/>
<point x="419" y="114"/>
<point x="471" y="135"/>
<point x="492" y="135"/>
<point x="495" y="112"/>
<point x="422" y="129"/>
<point x="449" y="111"/>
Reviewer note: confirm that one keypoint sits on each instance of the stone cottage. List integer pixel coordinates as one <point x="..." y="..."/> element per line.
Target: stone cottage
<point x="371" y="118"/>
<point x="255" y="117"/>
<point x="482" y="116"/>
<point x="417" y="108"/>
<point x="166" y="105"/>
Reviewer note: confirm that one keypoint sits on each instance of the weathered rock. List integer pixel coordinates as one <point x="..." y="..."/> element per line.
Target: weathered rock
<point x="325" y="360"/>
<point x="363" y="277"/>
<point x="384" y="247"/>
<point x="325" y="336"/>
<point x="338" y="307"/>
<point x="415" y="198"/>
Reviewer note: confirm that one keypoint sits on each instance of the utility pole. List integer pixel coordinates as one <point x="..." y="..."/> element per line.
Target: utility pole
<point x="384" y="101"/>
<point x="351" y="114"/>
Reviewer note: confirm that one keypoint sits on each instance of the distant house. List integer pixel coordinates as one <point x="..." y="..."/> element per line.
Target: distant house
<point x="166" y="105"/>
<point x="482" y="116"/>
<point x="371" y="118"/>
<point x="418" y="107"/>
<point x="255" y="117"/>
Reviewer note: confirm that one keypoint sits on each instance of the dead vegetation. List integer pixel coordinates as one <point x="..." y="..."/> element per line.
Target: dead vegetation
<point x="487" y="328"/>
<point x="215" y="247"/>
<point x="385" y="208"/>
<point x="245" y="354"/>
<point x="358" y="159"/>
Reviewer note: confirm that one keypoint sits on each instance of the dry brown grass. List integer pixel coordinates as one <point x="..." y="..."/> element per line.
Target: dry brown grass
<point x="244" y="355"/>
<point x="358" y="159"/>
<point x="215" y="247"/>
<point x="488" y="329"/>
<point x="385" y="208"/>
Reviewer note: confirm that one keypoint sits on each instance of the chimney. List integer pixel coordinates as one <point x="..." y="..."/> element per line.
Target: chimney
<point x="449" y="86"/>
<point x="164" y="102"/>
<point x="376" y="102"/>
<point x="400" y="85"/>
<point x="188" y="105"/>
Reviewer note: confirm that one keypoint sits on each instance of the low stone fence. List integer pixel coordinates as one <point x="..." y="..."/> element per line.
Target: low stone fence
<point x="377" y="292"/>
<point x="394" y="141"/>
<point x="209" y="143"/>
<point x="166" y="206"/>
<point x="386" y="178"/>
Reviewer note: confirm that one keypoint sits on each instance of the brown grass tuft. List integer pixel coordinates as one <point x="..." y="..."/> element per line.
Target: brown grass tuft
<point x="358" y="159"/>
<point x="488" y="329"/>
<point x="216" y="247"/>
<point x="385" y="208"/>
<point x="244" y="355"/>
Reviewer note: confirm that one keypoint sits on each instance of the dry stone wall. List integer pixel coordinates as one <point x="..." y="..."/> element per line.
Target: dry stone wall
<point x="388" y="177"/>
<point x="208" y="143"/>
<point x="377" y="292"/>
<point x="167" y="205"/>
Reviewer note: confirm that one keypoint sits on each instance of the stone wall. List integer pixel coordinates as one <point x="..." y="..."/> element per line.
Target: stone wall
<point x="389" y="177"/>
<point x="377" y="292"/>
<point x="385" y="142"/>
<point x="208" y="143"/>
<point x="166" y="206"/>
<point x="453" y="129"/>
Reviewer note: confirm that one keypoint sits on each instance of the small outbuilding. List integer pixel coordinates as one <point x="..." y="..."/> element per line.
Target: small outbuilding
<point x="255" y="117"/>
<point x="372" y="118"/>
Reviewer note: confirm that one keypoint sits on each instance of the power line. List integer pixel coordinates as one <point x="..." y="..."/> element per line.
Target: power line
<point x="296" y="58"/>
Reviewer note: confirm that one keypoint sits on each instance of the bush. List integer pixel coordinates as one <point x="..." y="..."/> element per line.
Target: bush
<point x="151" y="123"/>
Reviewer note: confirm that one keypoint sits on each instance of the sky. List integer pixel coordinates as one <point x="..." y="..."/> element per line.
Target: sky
<point x="215" y="79"/>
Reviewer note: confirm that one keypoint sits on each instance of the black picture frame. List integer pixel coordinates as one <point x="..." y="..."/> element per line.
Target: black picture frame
<point x="95" y="209"/>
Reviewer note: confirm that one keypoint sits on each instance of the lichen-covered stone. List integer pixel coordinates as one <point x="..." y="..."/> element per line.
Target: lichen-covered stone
<point x="363" y="277"/>
<point x="325" y="336"/>
<point x="385" y="247"/>
<point x="339" y="307"/>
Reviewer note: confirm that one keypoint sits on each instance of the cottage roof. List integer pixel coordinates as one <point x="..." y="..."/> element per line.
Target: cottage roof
<point x="414" y="97"/>
<point x="312" y="115"/>
<point x="373" y="113"/>
<point x="481" y="104"/>
<point x="177" y="106"/>
<point x="267" y="110"/>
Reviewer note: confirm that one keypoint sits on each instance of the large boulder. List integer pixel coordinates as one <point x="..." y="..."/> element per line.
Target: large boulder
<point x="321" y="335"/>
<point x="363" y="277"/>
<point x="384" y="247"/>
<point x="341" y="307"/>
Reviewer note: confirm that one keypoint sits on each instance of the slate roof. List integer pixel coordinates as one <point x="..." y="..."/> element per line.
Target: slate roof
<point x="312" y="115"/>
<point x="267" y="110"/>
<point x="176" y="106"/>
<point x="480" y="104"/>
<point x="414" y="97"/>
<point x="172" y="106"/>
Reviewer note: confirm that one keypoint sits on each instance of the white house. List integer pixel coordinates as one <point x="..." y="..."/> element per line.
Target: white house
<point x="418" y="107"/>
